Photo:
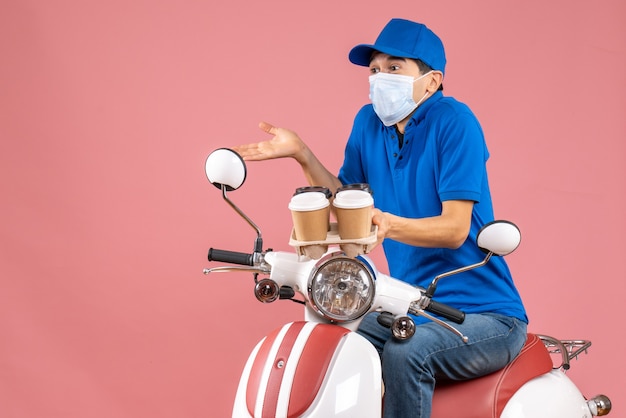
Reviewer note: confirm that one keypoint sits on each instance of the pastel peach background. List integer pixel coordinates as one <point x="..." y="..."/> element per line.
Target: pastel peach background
<point x="109" y="108"/>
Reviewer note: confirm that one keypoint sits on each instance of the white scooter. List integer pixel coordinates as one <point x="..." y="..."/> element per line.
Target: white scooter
<point x="320" y="367"/>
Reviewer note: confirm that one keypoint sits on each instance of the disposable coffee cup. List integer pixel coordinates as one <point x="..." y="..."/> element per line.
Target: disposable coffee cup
<point x="310" y="213"/>
<point x="353" y="210"/>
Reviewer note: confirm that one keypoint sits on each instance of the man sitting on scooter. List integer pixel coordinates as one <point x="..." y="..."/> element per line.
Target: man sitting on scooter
<point x="424" y="156"/>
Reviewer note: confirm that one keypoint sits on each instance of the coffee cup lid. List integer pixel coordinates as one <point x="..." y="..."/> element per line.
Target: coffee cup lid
<point x="308" y="201"/>
<point x="353" y="199"/>
<point x="355" y="186"/>
<point x="321" y="189"/>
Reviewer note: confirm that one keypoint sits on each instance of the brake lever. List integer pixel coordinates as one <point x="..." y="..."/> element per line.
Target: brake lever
<point x="416" y="310"/>
<point x="228" y="269"/>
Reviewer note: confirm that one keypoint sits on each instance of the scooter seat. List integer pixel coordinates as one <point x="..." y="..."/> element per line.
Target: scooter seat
<point x="486" y="397"/>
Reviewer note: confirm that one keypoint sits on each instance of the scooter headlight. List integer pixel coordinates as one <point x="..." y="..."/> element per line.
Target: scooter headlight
<point x="341" y="288"/>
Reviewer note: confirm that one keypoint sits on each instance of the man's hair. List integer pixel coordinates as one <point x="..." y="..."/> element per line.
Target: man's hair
<point x="424" y="68"/>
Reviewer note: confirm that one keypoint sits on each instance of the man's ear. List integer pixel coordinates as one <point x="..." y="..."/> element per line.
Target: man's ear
<point x="435" y="81"/>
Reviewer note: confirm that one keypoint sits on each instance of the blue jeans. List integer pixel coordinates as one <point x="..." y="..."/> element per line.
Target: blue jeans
<point x="411" y="367"/>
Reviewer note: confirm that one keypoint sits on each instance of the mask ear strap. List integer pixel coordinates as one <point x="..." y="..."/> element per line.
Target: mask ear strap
<point x="422" y="76"/>
<point x="421" y="100"/>
<point x="425" y="94"/>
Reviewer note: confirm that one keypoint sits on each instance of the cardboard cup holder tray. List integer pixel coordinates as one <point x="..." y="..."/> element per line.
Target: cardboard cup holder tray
<point x="352" y="247"/>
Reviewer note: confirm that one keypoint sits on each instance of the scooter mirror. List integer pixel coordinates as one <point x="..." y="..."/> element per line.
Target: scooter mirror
<point x="499" y="237"/>
<point x="224" y="167"/>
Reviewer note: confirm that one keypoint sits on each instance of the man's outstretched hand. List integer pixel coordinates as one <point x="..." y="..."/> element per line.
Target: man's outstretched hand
<point x="283" y="144"/>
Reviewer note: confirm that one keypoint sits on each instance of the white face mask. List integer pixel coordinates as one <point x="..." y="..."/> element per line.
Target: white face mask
<point x="392" y="96"/>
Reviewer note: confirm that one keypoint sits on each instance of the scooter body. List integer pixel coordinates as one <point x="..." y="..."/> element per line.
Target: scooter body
<point x="316" y="368"/>
<point x="307" y="369"/>
<point x="320" y="367"/>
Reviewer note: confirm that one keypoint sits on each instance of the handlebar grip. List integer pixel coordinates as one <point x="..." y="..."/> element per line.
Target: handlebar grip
<point x="446" y="311"/>
<point x="232" y="257"/>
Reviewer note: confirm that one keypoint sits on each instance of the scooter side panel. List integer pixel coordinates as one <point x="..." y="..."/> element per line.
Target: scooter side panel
<point x="551" y="395"/>
<point x="353" y="385"/>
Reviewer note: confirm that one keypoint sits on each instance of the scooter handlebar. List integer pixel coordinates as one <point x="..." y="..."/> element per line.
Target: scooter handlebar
<point x="232" y="257"/>
<point x="446" y="311"/>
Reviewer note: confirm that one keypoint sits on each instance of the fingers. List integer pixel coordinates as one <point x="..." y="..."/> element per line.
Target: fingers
<point x="249" y="152"/>
<point x="378" y="218"/>
<point x="268" y="128"/>
<point x="255" y="151"/>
